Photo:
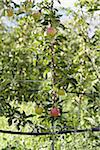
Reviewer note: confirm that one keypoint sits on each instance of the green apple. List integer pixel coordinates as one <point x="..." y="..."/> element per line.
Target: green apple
<point x="38" y="110"/>
<point x="36" y="15"/>
<point x="10" y="12"/>
<point x="61" y="92"/>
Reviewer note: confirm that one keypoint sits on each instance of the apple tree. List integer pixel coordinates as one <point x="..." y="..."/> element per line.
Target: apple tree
<point x="49" y="71"/>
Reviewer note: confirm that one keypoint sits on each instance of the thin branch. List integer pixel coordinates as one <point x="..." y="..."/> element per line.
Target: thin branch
<point x="83" y="93"/>
<point x="93" y="65"/>
<point x="37" y="90"/>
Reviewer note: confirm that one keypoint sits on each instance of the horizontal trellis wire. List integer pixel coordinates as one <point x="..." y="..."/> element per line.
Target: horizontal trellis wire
<point x="97" y="129"/>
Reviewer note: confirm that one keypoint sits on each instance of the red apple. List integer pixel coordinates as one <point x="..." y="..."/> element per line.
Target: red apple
<point x="51" y="31"/>
<point x="55" y="112"/>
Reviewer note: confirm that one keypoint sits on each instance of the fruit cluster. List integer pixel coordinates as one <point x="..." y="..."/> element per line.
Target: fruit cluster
<point x="55" y="111"/>
<point x="50" y="32"/>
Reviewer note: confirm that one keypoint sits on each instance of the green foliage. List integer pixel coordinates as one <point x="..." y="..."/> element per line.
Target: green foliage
<point x="33" y="65"/>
